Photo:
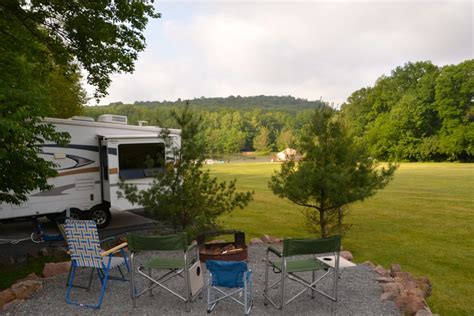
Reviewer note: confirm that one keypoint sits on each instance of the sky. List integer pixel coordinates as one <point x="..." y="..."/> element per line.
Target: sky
<point x="307" y="49"/>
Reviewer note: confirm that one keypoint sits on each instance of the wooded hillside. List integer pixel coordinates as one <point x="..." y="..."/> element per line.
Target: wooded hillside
<point x="420" y="112"/>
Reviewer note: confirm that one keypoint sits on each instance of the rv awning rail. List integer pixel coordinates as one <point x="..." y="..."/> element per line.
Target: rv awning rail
<point x="129" y="136"/>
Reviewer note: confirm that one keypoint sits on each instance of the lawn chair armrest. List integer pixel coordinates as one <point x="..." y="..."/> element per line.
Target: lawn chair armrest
<point x="274" y="250"/>
<point x="192" y="246"/>
<point x="114" y="249"/>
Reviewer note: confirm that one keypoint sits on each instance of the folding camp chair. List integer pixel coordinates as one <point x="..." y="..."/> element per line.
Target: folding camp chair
<point x="175" y="266"/>
<point x="288" y="267"/>
<point x="229" y="274"/>
<point x="84" y="247"/>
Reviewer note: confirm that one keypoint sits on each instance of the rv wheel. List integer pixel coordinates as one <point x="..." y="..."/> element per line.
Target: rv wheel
<point x="101" y="216"/>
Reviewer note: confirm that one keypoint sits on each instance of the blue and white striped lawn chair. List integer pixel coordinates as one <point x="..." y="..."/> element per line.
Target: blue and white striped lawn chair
<point x="233" y="275"/>
<point x="84" y="248"/>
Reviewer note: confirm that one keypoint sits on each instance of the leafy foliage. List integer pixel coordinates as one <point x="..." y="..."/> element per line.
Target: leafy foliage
<point x="43" y="44"/>
<point x="230" y="124"/>
<point x="183" y="195"/>
<point x="334" y="172"/>
<point x="420" y="112"/>
<point x="24" y="98"/>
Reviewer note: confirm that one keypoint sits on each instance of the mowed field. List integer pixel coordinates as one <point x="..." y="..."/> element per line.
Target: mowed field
<point x="424" y="220"/>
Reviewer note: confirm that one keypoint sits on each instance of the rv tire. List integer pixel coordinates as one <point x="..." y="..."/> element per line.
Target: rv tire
<point x="101" y="215"/>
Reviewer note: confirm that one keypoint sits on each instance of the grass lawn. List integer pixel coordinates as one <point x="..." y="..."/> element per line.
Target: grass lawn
<point x="424" y="220"/>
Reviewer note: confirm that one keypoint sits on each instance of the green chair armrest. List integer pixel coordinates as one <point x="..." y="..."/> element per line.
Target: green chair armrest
<point x="274" y="250"/>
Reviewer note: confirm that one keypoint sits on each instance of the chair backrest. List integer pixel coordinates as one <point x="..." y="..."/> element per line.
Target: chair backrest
<point x="83" y="242"/>
<point x="158" y="243"/>
<point x="227" y="273"/>
<point x="301" y="246"/>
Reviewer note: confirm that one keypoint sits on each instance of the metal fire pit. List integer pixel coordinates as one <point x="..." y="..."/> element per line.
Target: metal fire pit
<point x="225" y="251"/>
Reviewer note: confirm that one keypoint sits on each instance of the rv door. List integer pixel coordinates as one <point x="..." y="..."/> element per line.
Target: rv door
<point x="130" y="160"/>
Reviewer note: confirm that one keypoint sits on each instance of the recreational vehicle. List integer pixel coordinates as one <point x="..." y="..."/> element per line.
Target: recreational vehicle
<point x="90" y="167"/>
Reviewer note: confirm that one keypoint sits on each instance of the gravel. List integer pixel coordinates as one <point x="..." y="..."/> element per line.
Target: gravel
<point x="358" y="294"/>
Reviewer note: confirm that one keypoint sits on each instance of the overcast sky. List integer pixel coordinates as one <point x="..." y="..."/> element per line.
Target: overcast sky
<point x="308" y="49"/>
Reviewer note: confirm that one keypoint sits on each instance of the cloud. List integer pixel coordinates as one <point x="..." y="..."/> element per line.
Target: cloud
<point x="306" y="49"/>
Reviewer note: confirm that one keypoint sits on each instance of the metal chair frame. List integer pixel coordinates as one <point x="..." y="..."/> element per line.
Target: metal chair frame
<point x="159" y="282"/>
<point x="91" y="259"/>
<point x="309" y="285"/>
<point x="247" y="291"/>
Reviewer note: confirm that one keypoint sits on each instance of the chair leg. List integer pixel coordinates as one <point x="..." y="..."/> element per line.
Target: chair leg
<point x="283" y="275"/>
<point x="265" y="289"/>
<point x="312" y="282"/>
<point x="104" y="286"/>
<point x="132" y="279"/>
<point x="151" y="283"/>
<point x="187" y="288"/>
<point x="70" y="281"/>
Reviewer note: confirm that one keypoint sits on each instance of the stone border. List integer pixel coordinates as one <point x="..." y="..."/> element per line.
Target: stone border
<point x="408" y="293"/>
<point x="29" y="285"/>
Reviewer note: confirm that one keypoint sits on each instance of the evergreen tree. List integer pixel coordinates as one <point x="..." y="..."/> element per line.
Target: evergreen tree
<point x="184" y="195"/>
<point x="334" y="172"/>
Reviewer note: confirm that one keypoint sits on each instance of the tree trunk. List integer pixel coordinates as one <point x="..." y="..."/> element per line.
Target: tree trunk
<point x="322" y="223"/>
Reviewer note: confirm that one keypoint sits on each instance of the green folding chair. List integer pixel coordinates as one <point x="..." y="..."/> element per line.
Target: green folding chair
<point x="288" y="265"/>
<point x="174" y="266"/>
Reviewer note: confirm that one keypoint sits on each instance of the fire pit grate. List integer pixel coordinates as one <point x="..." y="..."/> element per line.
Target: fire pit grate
<point x="225" y="251"/>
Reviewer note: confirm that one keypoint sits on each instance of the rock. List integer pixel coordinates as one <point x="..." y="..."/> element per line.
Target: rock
<point x="410" y="303"/>
<point x="424" y="312"/>
<point x="254" y="241"/>
<point x="11" y="305"/>
<point x="403" y="275"/>
<point x="26" y="288"/>
<point x="346" y="255"/>
<point x="270" y="239"/>
<point x="391" y="288"/>
<point x="387" y="296"/>
<point x="31" y="276"/>
<point x="394" y="268"/>
<point x="6" y="296"/>
<point x="43" y="252"/>
<point x="381" y="271"/>
<point x="425" y="286"/>
<point x="52" y="268"/>
<point x="385" y="279"/>
<point x="369" y="264"/>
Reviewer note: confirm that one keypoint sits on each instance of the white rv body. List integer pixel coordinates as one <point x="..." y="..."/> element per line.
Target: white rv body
<point x="91" y="165"/>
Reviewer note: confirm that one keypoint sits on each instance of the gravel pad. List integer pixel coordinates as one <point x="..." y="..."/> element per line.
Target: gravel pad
<point x="358" y="294"/>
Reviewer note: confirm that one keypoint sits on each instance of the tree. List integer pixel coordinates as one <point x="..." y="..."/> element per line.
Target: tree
<point x="67" y="97"/>
<point x="285" y="139"/>
<point x="183" y="195"/>
<point x="454" y="103"/>
<point x="334" y="172"/>
<point x="261" y="142"/>
<point x="42" y="46"/>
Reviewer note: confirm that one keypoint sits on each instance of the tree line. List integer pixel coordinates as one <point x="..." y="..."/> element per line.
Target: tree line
<point x="420" y="112"/>
<point x="230" y="125"/>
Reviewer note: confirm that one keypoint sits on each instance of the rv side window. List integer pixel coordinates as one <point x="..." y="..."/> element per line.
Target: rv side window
<point x="140" y="160"/>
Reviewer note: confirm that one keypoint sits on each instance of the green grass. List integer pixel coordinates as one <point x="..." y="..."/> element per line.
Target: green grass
<point x="424" y="220"/>
<point x="9" y="274"/>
